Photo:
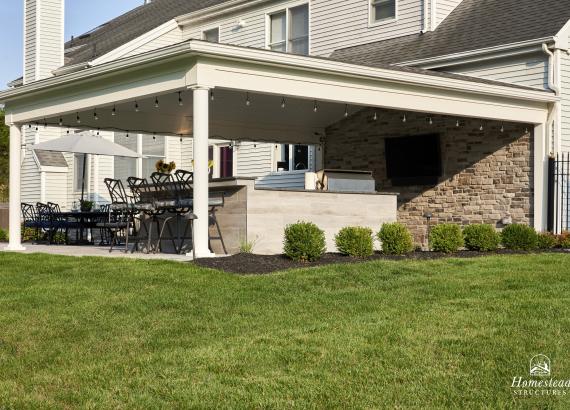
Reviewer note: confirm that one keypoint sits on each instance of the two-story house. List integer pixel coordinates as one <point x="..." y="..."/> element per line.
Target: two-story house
<point x="481" y="161"/>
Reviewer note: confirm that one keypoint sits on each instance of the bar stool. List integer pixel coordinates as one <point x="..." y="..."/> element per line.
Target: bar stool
<point x="144" y="204"/>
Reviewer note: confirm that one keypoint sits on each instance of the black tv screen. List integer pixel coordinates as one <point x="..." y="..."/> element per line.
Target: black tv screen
<point x="414" y="160"/>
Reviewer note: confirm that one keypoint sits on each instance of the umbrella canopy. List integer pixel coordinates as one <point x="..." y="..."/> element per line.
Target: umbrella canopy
<point x="86" y="144"/>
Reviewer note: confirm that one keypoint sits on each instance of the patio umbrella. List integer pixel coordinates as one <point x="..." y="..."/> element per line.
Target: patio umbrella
<point x="84" y="143"/>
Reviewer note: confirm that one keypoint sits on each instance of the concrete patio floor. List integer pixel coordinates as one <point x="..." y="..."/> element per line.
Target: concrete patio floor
<point x="100" y="251"/>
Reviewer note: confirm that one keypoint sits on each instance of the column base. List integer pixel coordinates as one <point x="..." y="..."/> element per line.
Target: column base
<point x="200" y="255"/>
<point x="14" y="248"/>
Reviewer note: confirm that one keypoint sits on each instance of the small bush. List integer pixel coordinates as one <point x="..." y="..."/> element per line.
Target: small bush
<point x="246" y="246"/>
<point x="446" y="238"/>
<point x="481" y="238"/>
<point x="59" y="238"/>
<point x="396" y="239"/>
<point x="547" y="240"/>
<point x="3" y="235"/>
<point x="519" y="237"/>
<point x="30" y="235"/>
<point x="564" y="240"/>
<point x="304" y="241"/>
<point x="355" y="241"/>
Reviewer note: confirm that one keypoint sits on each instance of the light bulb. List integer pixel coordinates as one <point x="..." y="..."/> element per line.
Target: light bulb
<point x="180" y="101"/>
<point x="316" y="106"/>
<point x="283" y="104"/>
<point x="247" y="100"/>
<point x="60" y="121"/>
<point x="156" y="105"/>
<point x="95" y="116"/>
<point x="212" y="95"/>
<point x="114" y="112"/>
<point x="346" y="111"/>
<point x="78" y="119"/>
<point x="404" y="118"/>
<point x="137" y="107"/>
<point x="457" y="123"/>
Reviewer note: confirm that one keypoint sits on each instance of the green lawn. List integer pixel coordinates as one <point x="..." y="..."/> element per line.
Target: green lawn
<point x="107" y="333"/>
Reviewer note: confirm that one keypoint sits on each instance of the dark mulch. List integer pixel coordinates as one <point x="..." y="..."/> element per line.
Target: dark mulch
<point x="244" y="263"/>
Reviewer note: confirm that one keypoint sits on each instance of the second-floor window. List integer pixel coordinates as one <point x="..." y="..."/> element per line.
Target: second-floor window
<point x="213" y="35"/>
<point x="289" y="30"/>
<point x="382" y="10"/>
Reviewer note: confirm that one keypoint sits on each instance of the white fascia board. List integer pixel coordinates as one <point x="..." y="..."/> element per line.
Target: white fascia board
<point x="138" y="42"/>
<point x="482" y="54"/>
<point x="562" y="38"/>
<point x="54" y="170"/>
<point x="196" y="48"/>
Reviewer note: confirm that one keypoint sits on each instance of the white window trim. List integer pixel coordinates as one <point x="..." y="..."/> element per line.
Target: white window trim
<point x="374" y="23"/>
<point x="286" y="9"/>
<point x="203" y="32"/>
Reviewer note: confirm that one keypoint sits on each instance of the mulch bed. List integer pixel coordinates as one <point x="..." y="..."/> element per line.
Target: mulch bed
<point x="262" y="264"/>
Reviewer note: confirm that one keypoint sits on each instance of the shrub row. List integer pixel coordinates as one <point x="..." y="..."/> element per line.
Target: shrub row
<point x="304" y="241"/>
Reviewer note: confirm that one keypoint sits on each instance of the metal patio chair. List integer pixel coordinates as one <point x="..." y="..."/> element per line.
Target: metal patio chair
<point x="121" y="214"/>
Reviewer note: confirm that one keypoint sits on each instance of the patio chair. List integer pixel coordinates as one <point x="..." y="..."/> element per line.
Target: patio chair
<point x="31" y="220"/>
<point x="120" y="216"/>
<point x="184" y="179"/>
<point x="182" y="208"/>
<point x="143" y="203"/>
<point x="164" y="201"/>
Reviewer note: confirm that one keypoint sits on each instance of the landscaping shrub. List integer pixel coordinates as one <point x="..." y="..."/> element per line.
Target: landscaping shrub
<point x="3" y="235"/>
<point x="355" y="241"/>
<point x="446" y="238"/>
<point x="547" y="240"/>
<point x="59" y="238"/>
<point x="564" y="240"/>
<point x="519" y="237"/>
<point x="481" y="238"/>
<point x="304" y="241"/>
<point x="30" y="235"/>
<point x="396" y="239"/>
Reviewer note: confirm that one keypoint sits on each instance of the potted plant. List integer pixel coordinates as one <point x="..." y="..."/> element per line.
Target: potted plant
<point x="86" y="206"/>
<point x="165" y="167"/>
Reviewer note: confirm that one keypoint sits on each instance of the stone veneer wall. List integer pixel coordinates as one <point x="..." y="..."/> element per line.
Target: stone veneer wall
<point x="487" y="175"/>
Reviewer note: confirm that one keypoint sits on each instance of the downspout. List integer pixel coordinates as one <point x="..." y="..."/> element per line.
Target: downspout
<point x="555" y="122"/>
<point x="425" y="27"/>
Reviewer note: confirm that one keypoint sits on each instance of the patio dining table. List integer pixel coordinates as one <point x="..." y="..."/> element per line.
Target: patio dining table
<point x="85" y="220"/>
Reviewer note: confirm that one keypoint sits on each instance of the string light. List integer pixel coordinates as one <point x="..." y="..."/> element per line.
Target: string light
<point x="68" y="130"/>
<point x="95" y="116"/>
<point x="247" y="100"/>
<point x="156" y="105"/>
<point x="316" y="106"/>
<point x="114" y="112"/>
<point x="430" y="120"/>
<point x="212" y="98"/>
<point x="98" y="131"/>
<point x="127" y="134"/>
<point x="180" y="137"/>
<point x="45" y="123"/>
<point x="481" y="128"/>
<point x="180" y="101"/>
<point x="154" y="135"/>
<point x="346" y="111"/>
<point x="137" y="109"/>
<point x="502" y="128"/>
<point x="526" y="130"/>
<point x="404" y="118"/>
<point x="457" y="124"/>
<point x="60" y="122"/>
<point x="78" y="119"/>
<point x="375" y="118"/>
<point x="29" y="126"/>
<point x="36" y="126"/>
<point x="283" y="103"/>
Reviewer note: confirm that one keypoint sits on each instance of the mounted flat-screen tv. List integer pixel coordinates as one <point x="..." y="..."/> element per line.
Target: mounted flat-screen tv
<point x="414" y="160"/>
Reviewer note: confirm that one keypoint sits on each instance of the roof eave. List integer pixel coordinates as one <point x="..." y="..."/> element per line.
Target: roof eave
<point x="266" y="57"/>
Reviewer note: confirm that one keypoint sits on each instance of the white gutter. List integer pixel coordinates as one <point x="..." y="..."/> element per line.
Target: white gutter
<point x="459" y="58"/>
<point x="197" y="48"/>
<point x="553" y="62"/>
<point x="554" y="83"/>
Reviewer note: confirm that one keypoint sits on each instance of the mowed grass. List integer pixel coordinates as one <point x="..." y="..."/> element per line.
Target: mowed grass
<point x="114" y="333"/>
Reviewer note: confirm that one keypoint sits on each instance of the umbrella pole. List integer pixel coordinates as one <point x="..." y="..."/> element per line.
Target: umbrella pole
<point x="83" y="178"/>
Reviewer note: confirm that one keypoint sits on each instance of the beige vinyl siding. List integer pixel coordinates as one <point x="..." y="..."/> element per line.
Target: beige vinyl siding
<point x="30" y="177"/>
<point x="254" y="159"/>
<point x="56" y="188"/>
<point x="343" y="23"/>
<point x="51" y="37"/>
<point x="30" y="57"/>
<point x="180" y="152"/>
<point x="529" y="70"/>
<point x="444" y="9"/>
<point x="565" y="95"/>
<point x="172" y="37"/>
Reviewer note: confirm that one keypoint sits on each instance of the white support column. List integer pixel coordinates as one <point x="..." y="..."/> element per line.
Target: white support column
<point x="540" y="177"/>
<point x="200" y="180"/>
<point x="15" y="166"/>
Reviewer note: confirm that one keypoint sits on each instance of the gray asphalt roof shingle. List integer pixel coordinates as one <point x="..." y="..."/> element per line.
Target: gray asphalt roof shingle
<point x="129" y="26"/>
<point x="473" y="25"/>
